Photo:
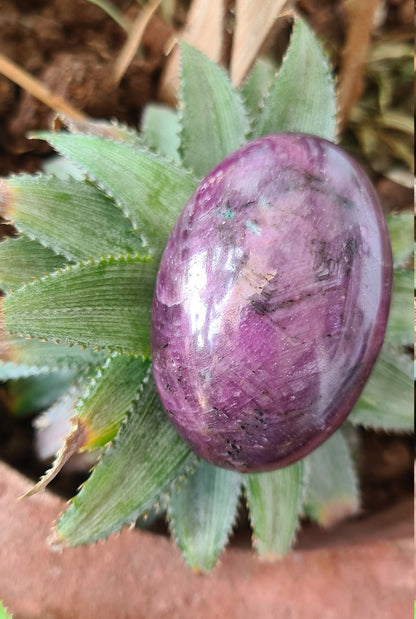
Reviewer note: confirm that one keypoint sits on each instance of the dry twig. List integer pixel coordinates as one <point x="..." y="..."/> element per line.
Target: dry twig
<point x="204" y="31"/>
<point x="38" y="90"/>
<point x="360" y="23"/>
<point x="254" y="21"/>
<point x="133" y="41"/>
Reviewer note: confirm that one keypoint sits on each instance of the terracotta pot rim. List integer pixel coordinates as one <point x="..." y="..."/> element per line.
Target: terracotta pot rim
<point x="137" y="574"/>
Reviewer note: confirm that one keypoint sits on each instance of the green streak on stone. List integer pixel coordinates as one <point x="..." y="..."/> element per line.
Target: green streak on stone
<point x="228" y="214"/>
<point x="253" y="227"/>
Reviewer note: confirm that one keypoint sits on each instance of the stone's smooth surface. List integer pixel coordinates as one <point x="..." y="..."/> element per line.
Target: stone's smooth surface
<point x="138" y="575"/>
<point x="271" y="302"/>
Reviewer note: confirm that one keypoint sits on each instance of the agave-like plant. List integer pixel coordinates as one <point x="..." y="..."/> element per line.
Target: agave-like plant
<point x="79" y="283"/>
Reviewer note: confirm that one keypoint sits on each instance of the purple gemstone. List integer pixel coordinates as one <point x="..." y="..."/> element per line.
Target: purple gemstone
<point x="271" y="302"/>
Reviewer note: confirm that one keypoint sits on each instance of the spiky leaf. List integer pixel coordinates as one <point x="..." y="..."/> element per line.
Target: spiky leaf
<point x="213" y="119"/>
<point x="101" y="305"/>
<point x="257" y="85"/>
<point x="145" y="459"/>
<point x="302" y="97"/>
<point x="109" y="396"/>
<point x="150" y="190"/>
<point x="400" y="326"/>
<point x="160" y="131"/>
<point x="112" y="130"/>
<point x="22" y="260"/>
<point x="401" y="236"/>
<point x="201" y="511"/>
<point x="70" y="216"/>
<point x="21" y="357"/>
<point x="62" y="168"/>
<point x="387" y="400"/>
<point x="331" y="492"/>
<point x="108" y="129"/>
<point x="274" y="500"/>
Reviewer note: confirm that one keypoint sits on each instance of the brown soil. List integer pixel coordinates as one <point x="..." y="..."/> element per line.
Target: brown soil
<point x="70" y="46"/>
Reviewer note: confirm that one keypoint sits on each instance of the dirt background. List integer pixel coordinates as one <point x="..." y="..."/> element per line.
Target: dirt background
<point x="70" y="46"/>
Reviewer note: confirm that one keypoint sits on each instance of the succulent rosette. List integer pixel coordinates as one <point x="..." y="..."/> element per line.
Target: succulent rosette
<point x="236" y="248"/>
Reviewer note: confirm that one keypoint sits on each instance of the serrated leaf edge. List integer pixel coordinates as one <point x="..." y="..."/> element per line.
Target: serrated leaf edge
<point x="52" y="177"/>
<point x="93" y="381"/>
<point x="111" y="259"/>
<point x="56" y="542"/>
<point x="356" y="482"/>
<point x="271" y="557"/>
<point x="181" y="104"/>
<point x="331" y="75"/>
<point x="144" y="149"/>
<point x="171" y="529"/>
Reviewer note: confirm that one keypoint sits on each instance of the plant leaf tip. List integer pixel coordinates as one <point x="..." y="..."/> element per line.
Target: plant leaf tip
<point x="75" y="440"/>
<point x="337" y="511"/>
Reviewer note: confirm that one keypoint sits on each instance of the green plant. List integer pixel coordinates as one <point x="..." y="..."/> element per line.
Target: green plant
<point x="81" y="276"/>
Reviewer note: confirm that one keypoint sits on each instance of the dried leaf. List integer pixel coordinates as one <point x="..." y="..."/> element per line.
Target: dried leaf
<point x="135" y="34"/>
<point x="55" y="423"/>
<point x="72" y="444"/>
<point x="360" y="23"/>
<point x="145" y="459"/>
<point x="204" y="30"/>
<point x="254" y="21"/>
<point x="108" y="397"/>
<point x="97" y="409"/>
<point x="108" y="129"/>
